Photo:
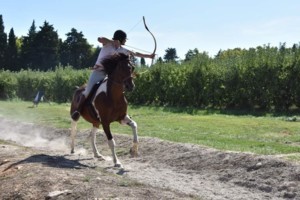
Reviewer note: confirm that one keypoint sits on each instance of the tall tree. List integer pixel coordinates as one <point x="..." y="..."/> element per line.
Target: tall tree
<point x="160" y="60"/>
<point x="12" y="52"/>
<point x="95" y="52"/>
<point x="46" y="45"/>
<point x="170" y="55"/>
<point x="27" y="48"/>
<point x="75" y="50"/>
<point x="3" y="43"/>
<point x="191" y="54"/>
<point x="143" y="62"/>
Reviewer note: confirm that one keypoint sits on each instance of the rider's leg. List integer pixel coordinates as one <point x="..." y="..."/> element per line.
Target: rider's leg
<point x="95" y="77"/>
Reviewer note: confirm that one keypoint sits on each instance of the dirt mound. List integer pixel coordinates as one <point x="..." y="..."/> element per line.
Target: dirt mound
<point x="39" y="165"/>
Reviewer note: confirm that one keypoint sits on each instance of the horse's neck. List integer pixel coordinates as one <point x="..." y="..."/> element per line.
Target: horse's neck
<point x="116" y="91"/>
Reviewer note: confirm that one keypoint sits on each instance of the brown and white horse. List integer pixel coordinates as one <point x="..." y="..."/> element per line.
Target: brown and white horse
<point x="108" y="105"/>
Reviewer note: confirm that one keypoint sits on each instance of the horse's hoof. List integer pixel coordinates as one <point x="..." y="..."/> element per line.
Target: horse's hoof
<point x="134" y="150"/>
<point x="133" y="153"/>
<point x="72" y="151"/>
<point x="119" y="165"/>
<point x="100" y="157"/>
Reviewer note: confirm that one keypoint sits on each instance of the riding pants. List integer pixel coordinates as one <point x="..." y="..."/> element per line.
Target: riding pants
<point x="96" y="76"/>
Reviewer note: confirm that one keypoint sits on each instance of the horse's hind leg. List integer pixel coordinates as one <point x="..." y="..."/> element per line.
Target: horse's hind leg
<point x="128" y="121"/>
<point x="93" y="142"/>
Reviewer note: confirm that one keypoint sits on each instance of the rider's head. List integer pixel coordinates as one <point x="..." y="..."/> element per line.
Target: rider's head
<point x="120" y="35"/>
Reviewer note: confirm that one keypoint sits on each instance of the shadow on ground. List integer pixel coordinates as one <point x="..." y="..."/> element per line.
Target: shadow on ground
<point x="52" y="161"/>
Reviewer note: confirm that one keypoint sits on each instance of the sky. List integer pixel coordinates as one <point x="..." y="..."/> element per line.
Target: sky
<point x="209" y="25"/>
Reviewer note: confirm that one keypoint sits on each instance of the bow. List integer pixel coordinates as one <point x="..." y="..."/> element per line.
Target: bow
<point x="152" y="36"/>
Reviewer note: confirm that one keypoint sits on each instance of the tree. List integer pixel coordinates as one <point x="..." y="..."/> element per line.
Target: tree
<point x="143" y="62"/>
<point x="170" y="55"/>
<point x="46" y="46"/>
<point x="12" y="52"/>
<point x="75" y="50"/>
<point x="3" y="43"/>
<point x="160" y="60"/>
<point x="28" y="49"/>
<point x="191" y="54"/>
<point x="92" y="60"/>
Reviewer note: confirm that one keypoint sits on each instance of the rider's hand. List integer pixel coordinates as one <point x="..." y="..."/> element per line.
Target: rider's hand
<point x="152" y="56"/>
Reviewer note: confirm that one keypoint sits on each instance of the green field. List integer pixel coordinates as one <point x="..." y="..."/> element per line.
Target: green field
<point x="265" y="134"/>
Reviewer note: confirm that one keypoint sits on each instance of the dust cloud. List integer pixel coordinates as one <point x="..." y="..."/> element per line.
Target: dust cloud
<point x="30" y="135"/>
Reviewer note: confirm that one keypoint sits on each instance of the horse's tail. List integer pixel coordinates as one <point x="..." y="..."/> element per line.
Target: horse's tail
<point x="78" y="91"/>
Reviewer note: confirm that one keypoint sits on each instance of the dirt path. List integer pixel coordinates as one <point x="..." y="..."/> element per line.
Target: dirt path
<point x="164" y="170"/>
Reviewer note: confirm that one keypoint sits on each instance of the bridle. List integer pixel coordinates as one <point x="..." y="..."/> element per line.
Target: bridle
<point x="126" y="78"/>
<point x="117" y="82"/>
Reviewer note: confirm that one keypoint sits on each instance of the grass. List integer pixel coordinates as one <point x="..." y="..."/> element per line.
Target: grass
<point x="264" y="134"/>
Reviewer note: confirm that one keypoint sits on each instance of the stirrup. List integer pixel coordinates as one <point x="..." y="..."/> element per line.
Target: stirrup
<point x="75" y="115"/>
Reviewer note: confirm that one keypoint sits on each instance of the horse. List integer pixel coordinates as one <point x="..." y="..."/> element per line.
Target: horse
<point x="108" y="105"/>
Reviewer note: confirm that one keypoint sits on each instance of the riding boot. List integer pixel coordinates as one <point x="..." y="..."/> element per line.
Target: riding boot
<point x="76" y="114"/>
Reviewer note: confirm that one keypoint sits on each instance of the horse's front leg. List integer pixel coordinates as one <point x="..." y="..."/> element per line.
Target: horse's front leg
<point x="111" y="144"/>
<point x="128" y="121"/>
<point x="93" y="142"/>
<point x="73" y="135"/>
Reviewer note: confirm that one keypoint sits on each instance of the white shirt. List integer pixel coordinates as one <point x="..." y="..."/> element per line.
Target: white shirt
<point x="108" y="50"/>
<point x="123" y="50"/>
<point x="105" y="51"/>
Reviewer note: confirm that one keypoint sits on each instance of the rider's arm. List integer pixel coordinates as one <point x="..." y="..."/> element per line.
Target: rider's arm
<point x="142" y="55"/>
<point x="106" y="41"/>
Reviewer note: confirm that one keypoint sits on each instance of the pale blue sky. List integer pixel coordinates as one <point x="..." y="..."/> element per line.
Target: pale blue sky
<point x="208" y="25"/>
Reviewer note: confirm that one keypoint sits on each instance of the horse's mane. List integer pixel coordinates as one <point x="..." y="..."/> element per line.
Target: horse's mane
<point x="110" y="63"/>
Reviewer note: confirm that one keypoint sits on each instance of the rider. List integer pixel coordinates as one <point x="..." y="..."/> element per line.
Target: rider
<point x="109" y="48"/>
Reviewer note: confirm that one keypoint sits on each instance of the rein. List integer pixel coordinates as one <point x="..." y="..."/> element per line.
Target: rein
<point x="119" y="83"/>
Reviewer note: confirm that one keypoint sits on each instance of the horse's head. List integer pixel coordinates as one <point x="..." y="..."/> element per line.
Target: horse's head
<point x="125" y="70"/>
<point x="119" y="70"/>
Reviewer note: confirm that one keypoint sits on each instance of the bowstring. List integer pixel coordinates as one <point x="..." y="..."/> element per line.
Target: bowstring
<point x="137" y="49"/>
<point x="132" y="46"/>
<point x="135" y="26"/>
